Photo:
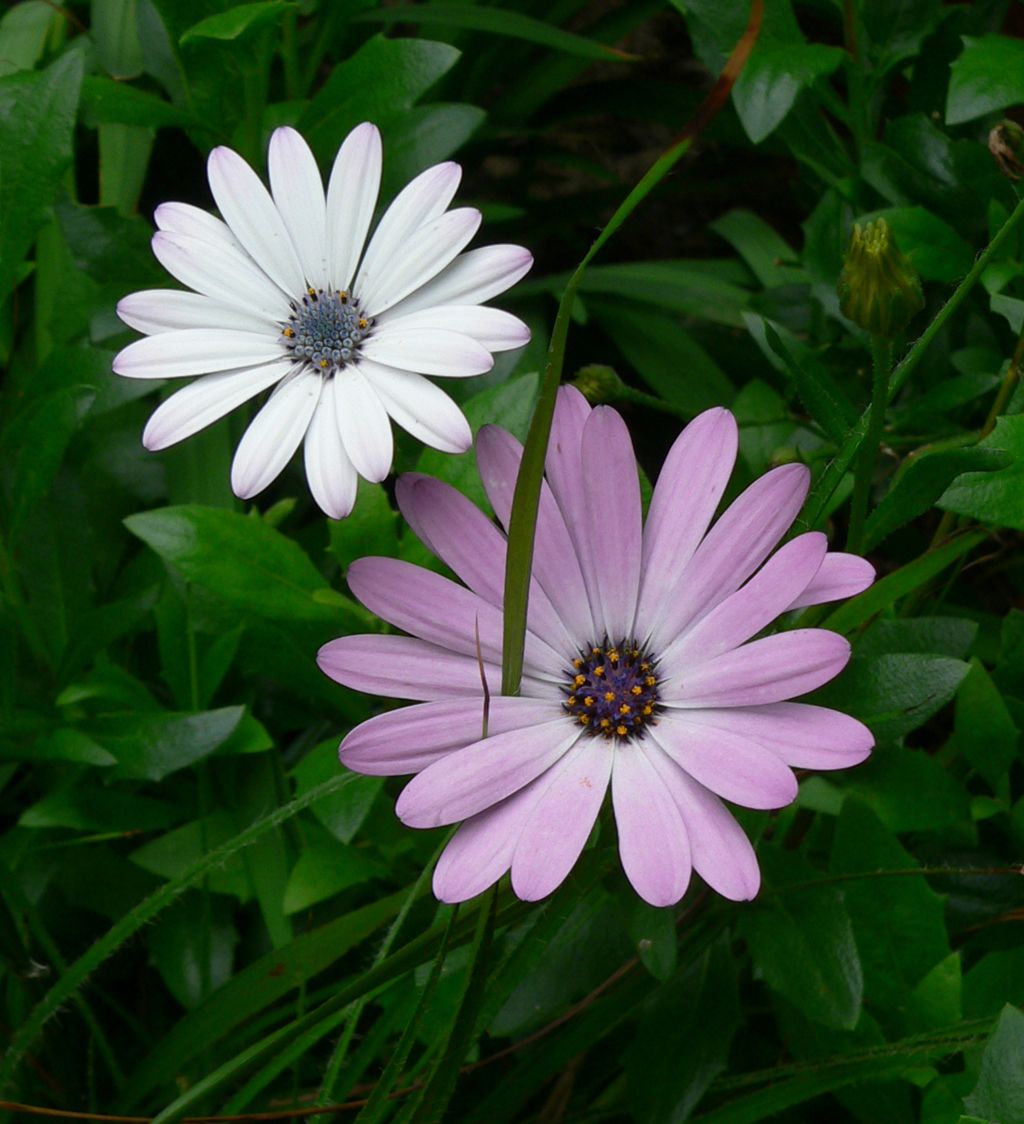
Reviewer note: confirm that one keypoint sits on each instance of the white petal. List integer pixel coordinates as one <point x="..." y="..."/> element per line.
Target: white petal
<point x="254" y="220"/>
<point x="351" y="197"/>
<point x="494" y="329"/>
<point x="474" y="277"/>
<point x="221" y="273"/>
<point x="421" y="200"/>
<point x="419" y="407"/>
<point x="428" y="351"/>
<point x="423" y="256"/>
<point x="166" y="310"/>
<point x="183" y="218"/>
<point x="299" y="196"/>
<point x="274" y="434"/>
<point x="205" y="401"/>
<point x="195" y="351"/>
<point x="363" y="423"/>
<point x="331" y="475"/>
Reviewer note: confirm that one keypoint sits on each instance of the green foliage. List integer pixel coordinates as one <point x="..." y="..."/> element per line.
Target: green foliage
<point x="201" y="912"/>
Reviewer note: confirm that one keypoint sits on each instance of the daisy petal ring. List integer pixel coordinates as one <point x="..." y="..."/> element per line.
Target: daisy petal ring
<point x="648" y="669"/>
<point x="291" y="292"/>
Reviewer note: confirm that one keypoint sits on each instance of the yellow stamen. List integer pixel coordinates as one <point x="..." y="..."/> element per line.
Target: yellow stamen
<point x="624" y="709"/>
<point x="637" y="690"/>
<point x="609" y="695"/>
<point x="589" y="700"/>
<point x="580" y="680"/>
<point x="622" y="731"/>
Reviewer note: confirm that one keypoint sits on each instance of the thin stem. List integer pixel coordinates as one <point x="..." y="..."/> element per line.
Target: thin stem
<point x="881" y="364"/>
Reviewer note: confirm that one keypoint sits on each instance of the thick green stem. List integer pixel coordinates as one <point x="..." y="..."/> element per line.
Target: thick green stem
<point x="881" y="362"/>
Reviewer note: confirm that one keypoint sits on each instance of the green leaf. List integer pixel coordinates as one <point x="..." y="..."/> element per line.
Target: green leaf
<point x="496" y="21"/>
<point x="237" y="22"/>
<point x="988" y="75"/>
<point x="937" y="1000"/>
<point x="186" y="935"/>
<point x="653" y="932"/>
<point x="422" y="136"/>
<point x="802" y="942"/>
<point x="85" y="808"/>
<point x="775" y="75"/>
<point x="999" y="1093"/>
<point x="994" y="497"/>
<point x="105" y="101"/>
<point x="342" y="813"/>
<point x="886" y="591"/>
<point x="152" y="746"/>
<point x="37" y="117"/>
<point x="771" y="259"/>
<point x="934" y="247"/>
<point x="324" y="868"/>
<point x="23" y="31"/>
<point x="897" y="921"/>
<point x="682" y="1041"/>
<point x="276" y="580"/>
<point x="114" y="32"/>
<point x="909" y="790"/>
<point x="894" y="693"/>
<point x="382" y="80"/>
<point x="921" y="481"/>
<point x="985" y="731"/>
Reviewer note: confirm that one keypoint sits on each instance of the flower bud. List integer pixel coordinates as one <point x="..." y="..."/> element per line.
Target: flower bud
<point x="1006" y="143"/>
<point x="879" y="289"/>
<point x="598" y="384"/>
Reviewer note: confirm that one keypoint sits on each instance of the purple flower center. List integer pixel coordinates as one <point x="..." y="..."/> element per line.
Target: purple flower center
<point x="612" y="690"/>
<point x="326" y="329"/>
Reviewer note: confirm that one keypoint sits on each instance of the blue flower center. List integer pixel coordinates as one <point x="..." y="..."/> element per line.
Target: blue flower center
<point x="612" y="690"/>
<point x="326" y="329"/>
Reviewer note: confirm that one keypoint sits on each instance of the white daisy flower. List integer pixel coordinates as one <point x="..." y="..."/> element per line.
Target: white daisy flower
<point x="288" y="293"/>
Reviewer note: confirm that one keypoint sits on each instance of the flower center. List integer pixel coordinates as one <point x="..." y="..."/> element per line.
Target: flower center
<point x="326" y="329"/>
<point x="612" y="690"/>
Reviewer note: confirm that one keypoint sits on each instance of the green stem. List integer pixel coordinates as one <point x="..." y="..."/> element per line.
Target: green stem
<point x="881" y="364"/>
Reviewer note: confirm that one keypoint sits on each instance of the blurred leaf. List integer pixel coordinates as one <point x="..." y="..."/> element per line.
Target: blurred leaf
<point x="116" y="36"/>
<point x="653" y="932"/>
<point x="86" y="808"/>
<point x="105" y="101"/>
<point x="683" y="1038"/>
<point x="936" y="1000"/>
<point x="802" y="943"/>
<point x="769" y="256"/>
<point x="23" y="30"/>
<point x="342" y="813"/>
<point x="238" y="21"/>
<point x="496" y="21"/>
<point x="383" y="79"/>
<point x="152" y="746"/>
<point x="997" y="978"/>
<point x="897" y="28"/>
<point x="897" y="921"/>
<point x="172" y="854"/>
<point x="988" y="75"/>
<point x="909" y="790"/>
<point x="919" y="483"/>
<point x="422" y="136"/>
<point x="276" y="580"/>
<point x="324" y="868"/>
<point x="37" y="117"/>
<point x="936" y="250"/>
<point x="994" y="497"/>
<point x="774" y="77"/>
<point x="942" y="636"/>
<point x="183" y="936"/>
<point x="372" y="528"/>
<point x="985" y="731"/>
<point x="999" y="1093"/>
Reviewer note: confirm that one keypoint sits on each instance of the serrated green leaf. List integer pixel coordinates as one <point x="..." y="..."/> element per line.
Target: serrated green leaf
<point x="985" y="731"/>
<point x="999" y="1093"/>
<point x="994" y="497"/>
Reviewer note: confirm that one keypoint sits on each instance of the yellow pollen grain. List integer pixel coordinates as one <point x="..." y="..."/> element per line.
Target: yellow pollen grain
<point x="622" y="731"/>
<point x="580" y="680"/>
<point x="648" y="711"/>
<point x="289" y="332"/>
<point x="599" y="670"/>
<point x="325" y="363"/>
<point x="645" y="667"/>
<point x="609" y="695"/>
<point x="624" y="709"/>
<point x="584" y="719"/>
<point x="613" y="655"/>
<point x="577" y="664"/>
<point x="635" y="652"/>
<point x="605" y="723"/>
<point x="363" y="323"/>
<point x="311" y="292"/>
<point x="342" y="296"/>
<point x="572" y="700"/>
<point x="589" y="700"/>
<point x="651" y="681"/>
<point x="637" y="690"/>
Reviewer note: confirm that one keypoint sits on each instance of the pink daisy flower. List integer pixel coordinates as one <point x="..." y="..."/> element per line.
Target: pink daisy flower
<point x="642" y="672"/>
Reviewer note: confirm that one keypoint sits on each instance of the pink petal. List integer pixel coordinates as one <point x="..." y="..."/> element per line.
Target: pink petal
<point x="733" y="767"/>
<point x="802" y="735"/>
<point x="403" y="667"/>
<point x="481" y="850"/>
<point x="733" y="549"/>
<point x="561" y="820"/>
<point x="614" y="522"/>
<point x="689" y="489"/>
<point x="469" y="780"/>
<point x="721" y="852"/>
<point x="441" y="612"/>
<point x="555" y="563"/>
<point x="764" y="671"/>
<point x="744" y="613"/>
<point x="409" y="739"/>
<point x="841" y="575"/>
<point x="653" y="845"/>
